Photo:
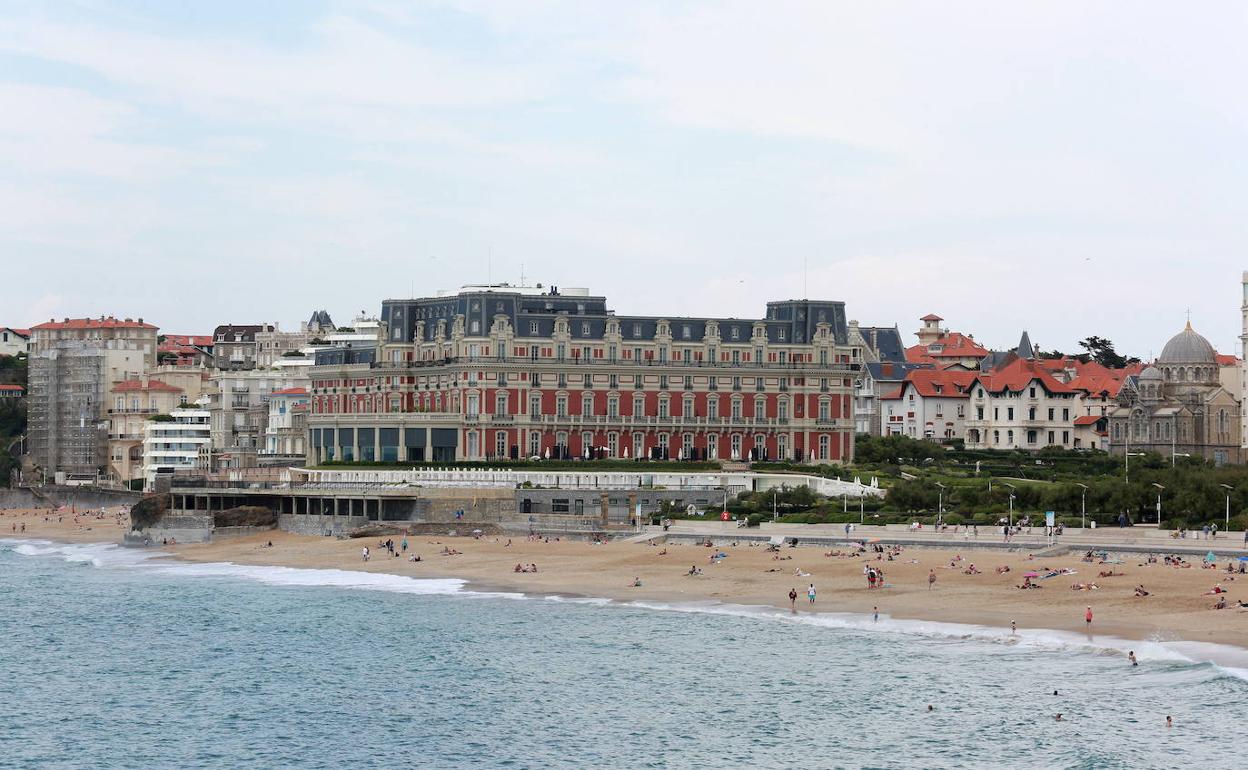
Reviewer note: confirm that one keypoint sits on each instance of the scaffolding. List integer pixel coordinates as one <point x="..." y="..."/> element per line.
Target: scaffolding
<point x="66" y="397"/>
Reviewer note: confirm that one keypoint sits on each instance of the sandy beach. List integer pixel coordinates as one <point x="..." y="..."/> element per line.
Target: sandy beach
<point x="1177" y="607"/>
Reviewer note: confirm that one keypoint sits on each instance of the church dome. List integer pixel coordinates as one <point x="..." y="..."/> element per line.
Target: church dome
<point x="1151" y="373"/>
<point x="1188" y="347"/>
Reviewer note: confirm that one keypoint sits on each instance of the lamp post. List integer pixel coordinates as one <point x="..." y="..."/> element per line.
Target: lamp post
<point x="1127" y="459"/>
<point x="1228" y="489"/>
<point x="773" y="507"/>
<point x="1159" y="491"/>
<point x="1083" y="506"/>
<point x="940" y="505"/>
<point x="1012" y="488"/>
<point x="1177" y="454"/>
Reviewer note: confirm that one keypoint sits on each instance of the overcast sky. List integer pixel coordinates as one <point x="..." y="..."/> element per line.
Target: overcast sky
<point x="1067" y="168"/>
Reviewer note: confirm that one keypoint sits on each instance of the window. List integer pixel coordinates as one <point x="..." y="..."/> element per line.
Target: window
<point x="639" y="444"/>
<point x="712" y="407"/>
<point x="584" y="329"/>
<point x="535" y="404"/>
<point x="736" y="409"/>
<point x="500" y="402"/>
<point x="825" y="409"/>
<point x="636" y="330"/>
<point x="736" y="446"/>
<point x="613" y="406"/>
<point x="736" y="333"/>
<point x="587" y="443"/>
<point x="587" y="404"/>
<point x="1009" y="413"/>
<point x="639" y="406"/>
<point x="825" y="447"/>
<point x="561" y="405"/>
<point x="664" y="408"/>
<point x="473" y="407"/>
<point x="712" y="446"/>
<point x="535" y="444"/>
<point x="686" y="332"/>
<point x="782" y="409"/>
<point x="760" y="409"/>
<point x="686" y="446"/>
<point x="500" y="444"/>
<point x="613" y="444"/>
<point x="532" y="327"/>
<point x="687" y="407"/>
<point x="1051" y="410"/>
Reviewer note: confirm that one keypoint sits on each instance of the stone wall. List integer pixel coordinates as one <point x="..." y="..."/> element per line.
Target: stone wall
<point x="325" y="526"/>
<point x="80" y="497"/>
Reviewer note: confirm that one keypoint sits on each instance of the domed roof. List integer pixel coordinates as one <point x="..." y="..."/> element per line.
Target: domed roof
<point x="1188" y="347"/>
<point x="1151" y="373"/>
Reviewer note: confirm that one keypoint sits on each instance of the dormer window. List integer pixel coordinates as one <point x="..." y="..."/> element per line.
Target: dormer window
<point x="736" y="333"/>
<point x="636" y="330"/>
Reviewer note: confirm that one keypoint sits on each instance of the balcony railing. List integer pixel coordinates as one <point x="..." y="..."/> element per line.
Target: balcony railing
<point x="528" y="361"/>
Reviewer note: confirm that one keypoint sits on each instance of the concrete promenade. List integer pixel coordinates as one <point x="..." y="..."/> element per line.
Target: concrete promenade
<point x="1139" y="539"/>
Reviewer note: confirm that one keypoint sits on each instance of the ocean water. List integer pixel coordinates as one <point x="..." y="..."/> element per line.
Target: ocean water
<point x="110" y="658"/>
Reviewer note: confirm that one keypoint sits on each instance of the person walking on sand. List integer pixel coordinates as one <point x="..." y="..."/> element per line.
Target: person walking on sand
<point x="931" y="579"/>
<point x="1087" y="618"/>
<point x="365" y="552"/>
<point x="810" y="593"/>
<point x="793" y="599"/>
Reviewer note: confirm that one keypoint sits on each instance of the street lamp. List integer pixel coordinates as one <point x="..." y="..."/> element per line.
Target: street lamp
<point x="1012" y="488"/>
<point x="1083" y="506"/>
<point x="1127" y="463"/>
<point x="940" y="505"/>
<point x="1228" y="489"/>
<point x="1159" y="490"/>
<point x="1177" y="454"/>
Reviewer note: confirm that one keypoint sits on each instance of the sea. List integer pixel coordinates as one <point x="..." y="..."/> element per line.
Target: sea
<point x="118" y="658"/>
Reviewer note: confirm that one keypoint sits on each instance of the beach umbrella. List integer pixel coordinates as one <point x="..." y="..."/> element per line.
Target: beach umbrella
<point x="547" y="453"/>
<point x="626" y="451"/>
<point x="1031" y="574"/>
<point x="476" y="532"/>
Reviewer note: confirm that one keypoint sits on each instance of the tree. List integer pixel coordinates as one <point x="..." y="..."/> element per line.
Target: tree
<point x="1102" y="351"/>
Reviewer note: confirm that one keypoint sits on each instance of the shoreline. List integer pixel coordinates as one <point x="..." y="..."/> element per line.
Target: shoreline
<point x="1177" y="612"/>
<point x="1115" y="639"/>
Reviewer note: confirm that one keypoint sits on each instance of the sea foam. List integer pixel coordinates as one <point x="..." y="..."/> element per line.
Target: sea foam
<point x="1230" y="660"/>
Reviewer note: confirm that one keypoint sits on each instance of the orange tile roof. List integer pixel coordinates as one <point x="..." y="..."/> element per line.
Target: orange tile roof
<point x="95" y="323"/>
<point x="952" y="345"/>
<point x="1089" y="419"/>
<point x="138" y="385"/>
<point x="290" y="392"/>
<point x="1019" y="374"/>
<point x="11" y="388"/>
<point x="945" y="383"/>
<point x="1225" y="359"/>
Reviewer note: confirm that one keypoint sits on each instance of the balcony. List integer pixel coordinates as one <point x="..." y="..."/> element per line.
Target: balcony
<point x="148" y="410"/>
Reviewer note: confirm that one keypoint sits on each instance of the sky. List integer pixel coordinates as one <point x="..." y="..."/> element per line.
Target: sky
<point x="1066" y="168"/>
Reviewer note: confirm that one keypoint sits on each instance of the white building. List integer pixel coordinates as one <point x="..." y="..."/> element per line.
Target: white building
<point x="1021" y="406"/>
<point x="181" y="444"/>
<point x="931" y="404"/>
<point x="14" y="341"/>
<point x="284" y="435"/>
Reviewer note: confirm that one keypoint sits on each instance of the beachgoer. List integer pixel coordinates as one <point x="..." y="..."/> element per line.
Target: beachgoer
<point x="810" y="593"/>
<point x="637" y="582"/>
<point x="931" y="579"/>
<point x="1131" y="657"/>
<point x="876" y="616"/>
<point x="1013" y="627"/>
<point x="1169" y="721"/>
<point x="1087" y="618"/>
<point x="365" y="552"/>
<point x="793" y="599"/>
<point x="930" y="707"/>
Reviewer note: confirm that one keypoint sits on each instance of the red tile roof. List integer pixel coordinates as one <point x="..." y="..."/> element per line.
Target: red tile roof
<point x="291" y="392"/>
<point x="940" y="383"/>
<point x="11" y="388"/>
<point x="951" y="345"/>
<point x="1019" y="374"/>
<point x="200" y="340"/>
<point x="1089" y="419"/>
<point x="1225" y="359"/>
<point x="931" y="317"/>
<point x="138" y="385"/>
<point x="95" y="323"/>
<point x="19" y="332"/>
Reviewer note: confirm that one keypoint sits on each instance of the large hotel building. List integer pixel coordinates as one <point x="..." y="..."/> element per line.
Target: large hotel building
<point x="505" y="372"/>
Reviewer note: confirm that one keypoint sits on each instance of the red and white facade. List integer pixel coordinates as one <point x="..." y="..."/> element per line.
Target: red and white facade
<point x="565" y="384"/>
